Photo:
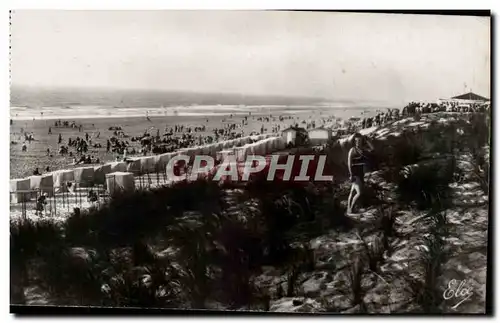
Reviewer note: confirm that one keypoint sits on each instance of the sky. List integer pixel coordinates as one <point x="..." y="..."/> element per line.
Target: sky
<point x="389" y="57"/>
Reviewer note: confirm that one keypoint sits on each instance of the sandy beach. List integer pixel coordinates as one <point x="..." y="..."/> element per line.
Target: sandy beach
<point x="23" y="163"/>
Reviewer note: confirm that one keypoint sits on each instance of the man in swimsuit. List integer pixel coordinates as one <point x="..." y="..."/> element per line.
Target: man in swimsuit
<point x="357" y="161"/>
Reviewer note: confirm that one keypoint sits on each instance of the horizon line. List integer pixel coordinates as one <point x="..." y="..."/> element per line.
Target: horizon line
<point x="319" y="99"/>
<point x="110" y="88"/>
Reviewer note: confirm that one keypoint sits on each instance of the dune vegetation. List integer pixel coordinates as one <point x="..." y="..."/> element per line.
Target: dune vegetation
<point x="281" y="246"/>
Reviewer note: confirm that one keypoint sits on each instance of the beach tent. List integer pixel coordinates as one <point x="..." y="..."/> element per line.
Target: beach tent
<point x="261" y="147"/>
<point x="205" y="150"/>
<point x="192" y="151"/>
<point x="226" y="144"/>
<point x="120" y="182"/>
<point x="42" y="183"/>
<point x="213" y="149"/>
<point x="186" y="151"/>
<point x="240" y="141"/>
<point x="134" y="166"/>
<point x="208" y="150"/>
<point x="264" y="146"/>
<point x="281" y="143"/>
<point x="274" y="143"/>
<point x="60" y="178"/>
<point x="148" y="164"/>
<point x="100" y="173"/>
<point x="216" y="148"/>
<point x="196" y="151"/>
<point x="258" y="148"/>
<point x="269" y="145"/>
<point x="118" y="167"/>
<point x="221" y="155"/>
<point x="16" y="188"/>
<point x="161" y="161"/>
<point x="84" y="176"/>
<point x="249" y="150"/>
<point x="220" y="146"/>
<point x="242" y="152"/>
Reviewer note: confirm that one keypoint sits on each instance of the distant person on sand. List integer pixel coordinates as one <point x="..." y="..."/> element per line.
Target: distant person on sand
<point x="92" y="196"/>
<point x="36" y="172"/>
<point x="357" y="161"/>
<point x="125" y="155"/>
<point x="50" y="130"/>
<point x="82" y="160"/>
<point x="40" y="204"/>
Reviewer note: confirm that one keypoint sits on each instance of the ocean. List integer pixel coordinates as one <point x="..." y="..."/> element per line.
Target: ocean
<point x="33" y="103"/>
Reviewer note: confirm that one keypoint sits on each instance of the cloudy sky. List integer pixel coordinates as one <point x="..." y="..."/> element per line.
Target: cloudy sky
<point x="331" y="55"/>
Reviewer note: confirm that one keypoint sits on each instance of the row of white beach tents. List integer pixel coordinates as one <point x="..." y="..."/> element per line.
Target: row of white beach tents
<point x="88" y="176"/>
<point x="262" y="147"/>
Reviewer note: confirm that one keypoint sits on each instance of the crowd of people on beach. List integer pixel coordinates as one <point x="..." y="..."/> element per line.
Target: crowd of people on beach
<point x="182" y="136"/>
<point x="67" y="124"/>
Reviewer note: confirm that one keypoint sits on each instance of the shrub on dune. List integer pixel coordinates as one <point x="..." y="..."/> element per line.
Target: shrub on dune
<point x="31" y="240"/>
<point x="423" y="286"/>
<point x="426" y="185"/>
<point x="354" y="277"/>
